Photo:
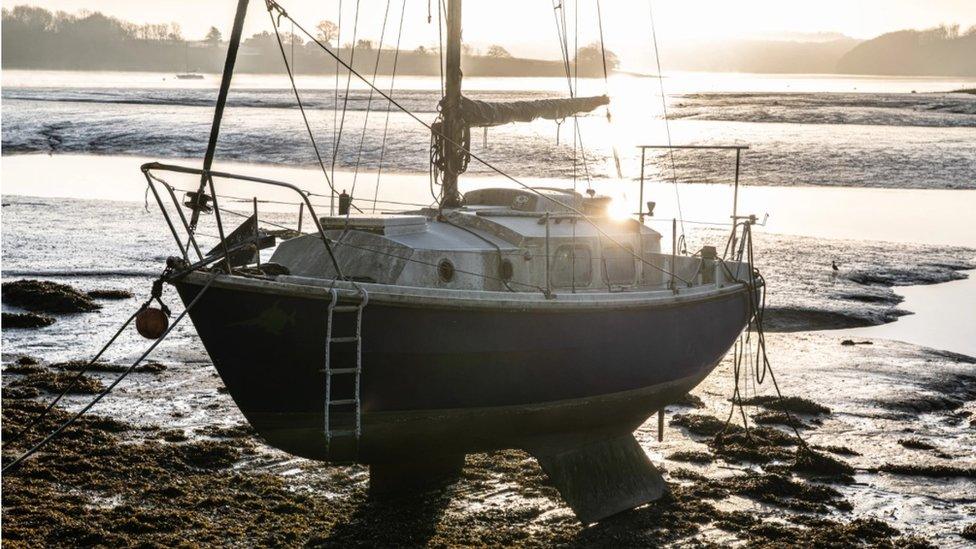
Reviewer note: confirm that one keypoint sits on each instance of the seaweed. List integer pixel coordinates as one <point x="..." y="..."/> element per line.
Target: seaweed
<point x="701" y="424"/>
<point x="55" y="382"/>
<point x="26" y="320"/>
<point x="77" y="365"/>
<point x="109" y="294"/>
<point x="691" y="456"/>
<point x="935" y="471"/>
<point x="777" y="417"/>
<point x="782" y="491"/>
<point x="47" y="297"/>
<point x="792" y="404"/>
<point x="838" y="450"/>
<point x="808" y="461"/>
<point x="915" y="444"/>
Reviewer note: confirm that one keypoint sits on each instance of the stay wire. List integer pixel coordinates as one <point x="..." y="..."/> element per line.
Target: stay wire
<point x="345" y="99"/>
<point x="108" y="389"/>
<point x="298" y="98"/>
<point x="389" y="106"/>
<point x="369" y="106"/>
<point x="667" y="124"/>
<point x="70" y="385"/>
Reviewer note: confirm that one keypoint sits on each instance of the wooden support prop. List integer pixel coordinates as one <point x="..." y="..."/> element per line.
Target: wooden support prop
<point x="660" y="425"/>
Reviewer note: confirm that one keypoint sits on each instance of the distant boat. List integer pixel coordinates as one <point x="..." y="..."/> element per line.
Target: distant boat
<point x="186" y="74"/>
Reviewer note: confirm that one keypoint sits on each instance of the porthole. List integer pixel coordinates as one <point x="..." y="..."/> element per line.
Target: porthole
<point x="445" y="270"/>
<point x="505" y="270"/>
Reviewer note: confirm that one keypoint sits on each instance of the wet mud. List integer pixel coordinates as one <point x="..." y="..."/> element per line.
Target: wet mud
<point x="109" y="483"/>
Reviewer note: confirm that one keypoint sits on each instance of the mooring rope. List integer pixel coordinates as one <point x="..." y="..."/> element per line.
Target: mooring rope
<point x="46" y="440"/>
<point x="762" y="366"/>
<point x="71" y="383"/>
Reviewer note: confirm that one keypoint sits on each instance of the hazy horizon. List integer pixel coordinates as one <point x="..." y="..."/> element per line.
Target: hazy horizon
<point x="528" y="29"/>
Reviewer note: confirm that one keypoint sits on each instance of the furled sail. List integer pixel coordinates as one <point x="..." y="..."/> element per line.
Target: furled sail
<point x="485" y="113"/>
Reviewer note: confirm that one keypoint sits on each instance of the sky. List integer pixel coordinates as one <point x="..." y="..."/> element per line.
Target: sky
<point x="527" y="27"/>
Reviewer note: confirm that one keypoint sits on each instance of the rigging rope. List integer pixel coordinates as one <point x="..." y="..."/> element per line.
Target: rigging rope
<point x="298" y="98"/>
<point x="757" y="307"/>
<point x="369" y="106"/>
<point x="389" y="106"/>
<point x="345" y="99"/>
<point x="466" y="150"/>
<point x="74" y="380"/>
<point x="606" y="83"/>
<point x="667" y="125"/>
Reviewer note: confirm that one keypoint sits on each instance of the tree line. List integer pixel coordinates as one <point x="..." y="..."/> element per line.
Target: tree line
<point x="35" y="38"/>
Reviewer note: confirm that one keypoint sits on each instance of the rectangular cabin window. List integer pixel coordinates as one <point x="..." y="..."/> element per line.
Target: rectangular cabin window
<point x="572" y="266"/>
<point x="619" y="264"/>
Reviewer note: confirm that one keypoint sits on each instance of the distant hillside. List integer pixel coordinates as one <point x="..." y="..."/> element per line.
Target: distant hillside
<point x="936" y="52"/>
<point x="762" y="56"/>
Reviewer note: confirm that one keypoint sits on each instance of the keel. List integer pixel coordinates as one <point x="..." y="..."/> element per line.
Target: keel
<point x="600" y="476"/>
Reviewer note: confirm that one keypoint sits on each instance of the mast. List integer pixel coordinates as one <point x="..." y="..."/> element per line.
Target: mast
<point x="232" y="46"/>
<point x="453" y="126"/>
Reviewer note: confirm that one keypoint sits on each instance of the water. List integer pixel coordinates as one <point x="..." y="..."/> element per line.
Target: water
<point x="944" y="317"/>
<point x="804" y="131"/>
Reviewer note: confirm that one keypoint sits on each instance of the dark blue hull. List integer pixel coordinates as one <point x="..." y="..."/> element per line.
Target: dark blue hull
<point x="450" y="380"/>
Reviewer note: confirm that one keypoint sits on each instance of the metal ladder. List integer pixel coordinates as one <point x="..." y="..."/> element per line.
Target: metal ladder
<point x="356" y="338"/>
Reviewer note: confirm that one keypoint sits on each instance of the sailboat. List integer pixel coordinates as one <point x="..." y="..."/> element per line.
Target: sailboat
<point x="186" y="74"/>
<point x="503" y="317"/>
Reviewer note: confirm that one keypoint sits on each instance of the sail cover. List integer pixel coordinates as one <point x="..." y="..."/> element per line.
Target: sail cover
<point x="484" y="113"/>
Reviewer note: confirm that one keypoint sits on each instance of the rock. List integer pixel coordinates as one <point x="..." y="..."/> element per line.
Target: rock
<point x="849" y="342"/>
<point x="26" y="320"/>
<point x="48" y="297"/>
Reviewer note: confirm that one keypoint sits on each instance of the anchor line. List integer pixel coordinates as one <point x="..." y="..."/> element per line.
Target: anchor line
<point x="54" y="434"/>
<point x="762" y="365"/>
<point x="156" y="293"/>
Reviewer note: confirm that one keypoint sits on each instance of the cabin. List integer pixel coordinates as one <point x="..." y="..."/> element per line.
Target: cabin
<point x="499" y="239"/>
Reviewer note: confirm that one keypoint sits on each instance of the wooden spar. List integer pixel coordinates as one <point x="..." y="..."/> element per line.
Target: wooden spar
<point x="452" y="126"/>
<point x="232" y="47"/>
